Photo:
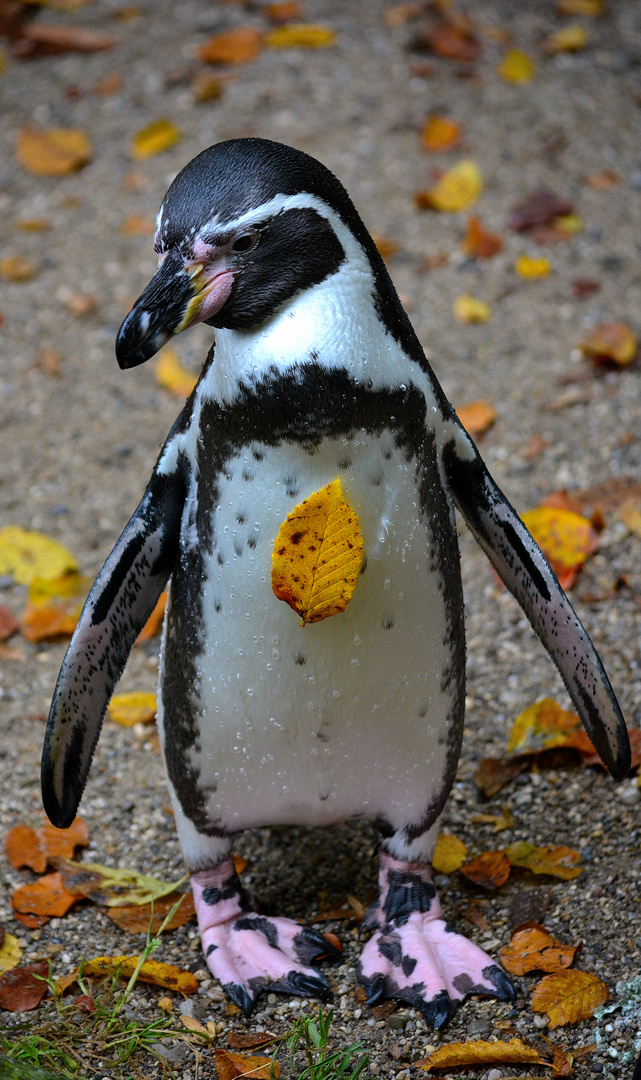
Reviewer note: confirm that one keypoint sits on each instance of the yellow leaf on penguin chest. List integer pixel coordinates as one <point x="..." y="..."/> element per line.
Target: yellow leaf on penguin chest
<point x="318" y="555"/>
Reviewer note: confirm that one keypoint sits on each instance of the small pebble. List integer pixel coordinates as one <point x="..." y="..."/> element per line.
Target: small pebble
<point x="540" y="1021"/>
<point x="272" y="999"/>
<point x="629" y="794"/>
<point x="494" y="1074"/>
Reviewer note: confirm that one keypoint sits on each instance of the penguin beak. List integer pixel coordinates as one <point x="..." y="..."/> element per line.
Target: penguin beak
<point x="177" y="296"/>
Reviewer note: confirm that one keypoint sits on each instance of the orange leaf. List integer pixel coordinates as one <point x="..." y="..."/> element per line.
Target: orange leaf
<point x="283" y="11"/>
<point x="26" y="847"/>
<point x="604" y="180"/>
<point x="559" y="861"/>
<point x="565" y="538"/>
<point x="478" y="243"/>
<point x="46" y="896"/>
<point x="568" y="996"/>
<point x="318" y="555"/>
<point x="440" y="133"/>
<point x="167" y="976"/>
<point x="240" y="863"/>
<point x="613" y="342"/>
<point x="494" y="773"/>
<point x="153" y="625"/>
<point x="53" y="607"/>
<point x="477" y="417"/>
<point x="453" y="42"/>
<point x="542" y="726"/>
<point x="300" y="36"/>
<point x="449" y="854"/>
<point x="54" y="152"/>
<point x="206" y="87"/>
<point x="479" y="1052"/>
<point x="385" y="246"/>
<point x="23" y="988"/>
<point x="235" y="47"/>
<point x="137" y="225"/>
<point x="230" y="1065"/>
<point x="534" y="949"/>
<point x="489" y="870"/>
<point x="137" y="918"/>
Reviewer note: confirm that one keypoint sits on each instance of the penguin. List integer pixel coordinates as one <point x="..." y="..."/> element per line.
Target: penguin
<point x="315" y="375"/>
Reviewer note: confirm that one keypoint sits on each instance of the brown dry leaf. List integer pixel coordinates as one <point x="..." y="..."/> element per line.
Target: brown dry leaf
<point x="474" y="911"/>
<point x="300" y="36"/>
<point x="50" y="361"/>
<point x="8" y="623"/>
<point x="613" y="342"/>
<point x="457" y="189"/>
<point x="17" y="268"/>
<point x="318" y="555"/>
<point x="479" y="243"/>
<point x="489" y="870"/>
<point x="53" y="152"/>
<point x="592" y="9"/>
<point x="451" y="40"/>
<point x="111" y="84"/>
<point x="195" y="1026"/>
<point x="166" y="976"/>
<point x="541" y="726"/>
<point x="477" y="417"/>
<point x="34" y="225"/>
<point x="566" y="539"/>
<point x="385" y="246"/>
<point x="137" y="225"/>
<point x="153" y="626"/>
<point x="46" y="896"/>
<point x="45" y="39"/>
<point x="568" y="996"/>
<point x="248" y="1040"/>
<point x="479" y="1052"/>
<point x="23" y="988"/>
<point x="449" y="854"/>
<point x="534" y="949"/>
<point x="560" y="862"/>
<point x="230" y="1065"/>
<point x="238" y="46"/>
<point x="582" y="287"/>
<point x="499" y="822"/>
<point x="603" y="181"/>
<point x="26" y="847"/>
<point x="206" y="87"/>
<point x="53" y="607"/>
<point x="494" y="773"/>
<point x="517" y="67"/>
<point x="153" y="139"/>
<point x="137" y="918"/>
<point x="440" y="133"/>
<point x="283" y="11"/>
<point x="401" y="14"/>
<point x="174" y="376"/>
<point x="542" y="207"/>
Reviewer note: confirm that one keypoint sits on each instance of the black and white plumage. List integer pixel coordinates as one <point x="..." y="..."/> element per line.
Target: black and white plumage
<point x="316" y="373"/>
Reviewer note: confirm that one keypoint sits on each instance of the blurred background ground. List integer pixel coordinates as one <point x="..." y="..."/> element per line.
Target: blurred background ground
<point x="78" y="437"/>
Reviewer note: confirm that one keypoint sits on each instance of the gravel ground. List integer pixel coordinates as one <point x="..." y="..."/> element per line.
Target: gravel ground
<point x="77" y="449"/>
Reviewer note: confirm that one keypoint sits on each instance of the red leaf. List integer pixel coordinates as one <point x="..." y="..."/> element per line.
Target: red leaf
<point x="20" y="990"/>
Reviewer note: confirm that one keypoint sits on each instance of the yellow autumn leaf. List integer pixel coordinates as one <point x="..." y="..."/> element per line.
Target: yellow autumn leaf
<point x="10" y="952"/>
<point x="153" y="139"/>
<point x="449" y="854"/>
<point x="568" y="996"/>
<point x="27" y="555"/>
<point x="167" y="976"/>
<point x="53" y="152"/>
<point x="529" y="267"/>
<point x="136" y="707"/>
<point x="613" y="341"/>
<point x="516" y="66"/>
<point x="17" y="268"/>
<point x="571" y="38"/>
<point x="564" y="537"/>
<point x="560" y="862"/>
<point x="300" y="36"/>
<point x="568" y="223"/>
<point x="479" y="1052"/>
<point x="457" y="189"/>
<point x="174" y="376"/>
<point x="469" y="309"/>
<point x="318" y="555"/>
<point x="541" y="726"/>
<point x="592" y="9"/>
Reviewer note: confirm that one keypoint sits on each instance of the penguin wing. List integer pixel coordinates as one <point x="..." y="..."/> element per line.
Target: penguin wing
<point x="521" y="565"/>
<point x="118" y="606"/>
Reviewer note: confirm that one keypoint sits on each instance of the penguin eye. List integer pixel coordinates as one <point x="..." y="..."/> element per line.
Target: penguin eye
<point x="244" y="242"/>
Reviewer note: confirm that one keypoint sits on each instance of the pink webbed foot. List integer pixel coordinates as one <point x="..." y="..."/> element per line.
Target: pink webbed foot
<point x="250" y="953"/>
<point x="414" y="954"/>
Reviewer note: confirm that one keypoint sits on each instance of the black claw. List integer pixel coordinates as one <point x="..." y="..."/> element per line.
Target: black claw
<point x="296" y="982"/>
<point x="240" y="997"/>
<point x="439" y="1011"/>
<point x="311" y="946"/>
<point x="504" y="989"/>
<point x="375" y="989"/>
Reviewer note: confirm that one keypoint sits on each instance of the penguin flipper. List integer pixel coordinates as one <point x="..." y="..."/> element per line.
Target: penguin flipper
<point x="118" y="606"/>
<point x="526" y="572"/>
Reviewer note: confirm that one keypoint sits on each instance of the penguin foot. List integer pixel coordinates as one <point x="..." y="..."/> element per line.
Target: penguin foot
<point x="250" y="953"/>
<point x="415" y="955"/>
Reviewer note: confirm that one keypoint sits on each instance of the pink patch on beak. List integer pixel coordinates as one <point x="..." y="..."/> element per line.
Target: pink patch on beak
<point x="216" y="294"/>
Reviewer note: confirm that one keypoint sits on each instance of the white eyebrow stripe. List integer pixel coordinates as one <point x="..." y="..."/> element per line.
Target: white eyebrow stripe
<point x="302" y="200"/>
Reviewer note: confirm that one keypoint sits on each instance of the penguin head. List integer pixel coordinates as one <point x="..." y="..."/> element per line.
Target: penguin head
<point x="245" y="226"/>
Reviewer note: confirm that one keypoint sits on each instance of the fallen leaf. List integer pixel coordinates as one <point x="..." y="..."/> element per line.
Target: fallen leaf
<point x="53" y="607"/>
<point x="53" y="152"/>
<point x="494" y="773"/>
<point x="206" y="87"/>
<point x="469" y="309"/>
<point x="240" y="863"/>
<point x="318" y="555"/>
<point x="630" y="515"/>
<point x="572" y="38"/>
<point x="10" y="952"/>
<point x="137" y="225"/>
<point x="529" y="268"/>
<point x="18" y="268"/>
<point x="480" y="1052"/>
<point x="27" y="555"/>
<point x="569" y="224"/>
<point x="477" y="417"/>
<point x="36" y="849"/>
<point x="283" y="11"/>
<point x="474" y="912"/>
<point x="137" y="918"/>
<point x="111" y="887"/>
<point x="50" y="361"/>
<point x="530" y="905"/>
<point x="517" y="67"/>
<point x="46" y="896"/>
<point x="541" y="207"/>
<point x="592" y="9"/>
<point x="136" y="707"/>
<point x="153" y="626"/>
<point x="84" y="1004"/>
<point x="195" y="1026"/>
<point x="534" y="949"/>
<point x="172" y="375"/>
<point x="499" y="822"/>
<point x="166" y="976"/>
<point x="541" y="726"/>
<point x="23" y="988"/>
<point x="34" y="225"/>
<point x="8" y="623"/>
<point x="560" y="862"/>
<point x="565" y="538"/>
<point x="449" y="854"/>
<point x="479" y="243"/>
<point x="166" y="1005"/>
<point x="33" y="922"/>
<point x="230" y="1065"/>
<point x="248" y="1040"/>
<point x="238" y="46"/>
<point x="46" y="39"/>
<point x="401" y="14"/>
<point x="451" y="41"/>
<point x="111" y="84"/>
<point x="603" y="181"/>
<point x="153" y="139"/>
<point x="489" y="870"/>
<point x="440" y="133"/>
<point x="582" y="287"/>
<point x="614" y="342"/>
<point x="385" y="246"/>
<point x="300" y="36"/>
<point x="568" y="996"/>
<point x="457" y="189"/>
